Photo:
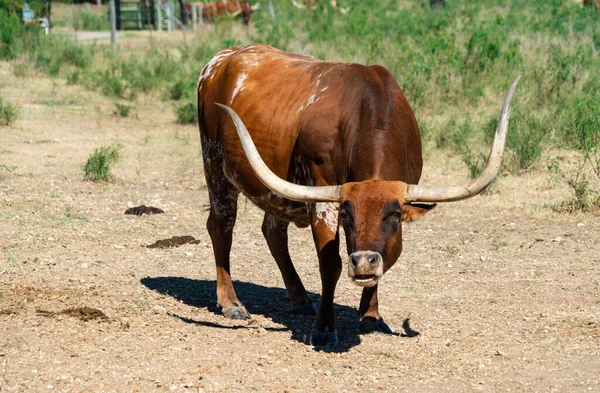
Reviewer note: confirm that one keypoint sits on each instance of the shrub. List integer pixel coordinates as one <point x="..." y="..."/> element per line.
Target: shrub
<point x="8" y="112"/>
<point x="180" y="89"/>
<point x="90" y="21"/>
<point x="187" y="112"/>
<point x="11" y="29"/>
<point x="583" y="175"/>
<point x="97" y="167"/>
<point x="122" y="110"/>
<point x="454" y="135"/>
<point x="526" y="140"/>
<point x="111" y="85"/>
<point x="474" y="162"/>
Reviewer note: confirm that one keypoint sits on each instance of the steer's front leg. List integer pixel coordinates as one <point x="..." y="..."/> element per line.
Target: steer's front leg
<point x="370" y="319"/>
<point x="327" y="240"/>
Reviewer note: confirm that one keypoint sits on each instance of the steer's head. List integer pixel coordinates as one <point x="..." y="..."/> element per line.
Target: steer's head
<point x="372" y="211"/>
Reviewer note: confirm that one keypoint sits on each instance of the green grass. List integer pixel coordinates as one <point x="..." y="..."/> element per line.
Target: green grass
<point x="8" y="112"/>
<point x="454" y="64"/>
<point x="121" y="110"/>
<point x="97" y="167"/>
<point x="187" y="112"/>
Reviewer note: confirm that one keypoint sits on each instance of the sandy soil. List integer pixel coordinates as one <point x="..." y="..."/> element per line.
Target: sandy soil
<point x="504" y="292"/>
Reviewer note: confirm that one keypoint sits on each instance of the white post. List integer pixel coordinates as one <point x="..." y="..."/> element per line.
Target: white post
<point x="193" y="17"/>
<point x="200" y="13"/>
<point x="171" y="15"/>
<point x="159" y="20"/>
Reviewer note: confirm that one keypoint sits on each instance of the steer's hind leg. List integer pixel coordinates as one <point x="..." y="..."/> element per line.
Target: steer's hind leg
<point x="275" y="231"/>
<point x="220" y="227"/>
<point x="223" y="212"/>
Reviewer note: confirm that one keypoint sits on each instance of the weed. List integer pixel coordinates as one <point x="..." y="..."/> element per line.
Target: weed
<point x="498" y="243"/>
<point x="7" y="169"/>
<point x="97" y="167"/>
<point x="187" y="112"/>
<point x="21" y="67"/>
<point x="12" y="255"/>
<point x="74" y="77"/>
<point x="8" y="113"/>
<point x="112" y="85"/>
<point x="146" y="138"/>
<point x="475" y="163"/>
<point x="91" y="21"/>
<point x="527" y="140"/>
<point x="121" y="110"/>
<point x="180" y="89"/>
<point x="582" y="175"/>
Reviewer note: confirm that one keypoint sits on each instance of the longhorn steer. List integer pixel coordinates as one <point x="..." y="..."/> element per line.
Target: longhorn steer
<point x="314" y="138"/>
<point x="209" y="11"/>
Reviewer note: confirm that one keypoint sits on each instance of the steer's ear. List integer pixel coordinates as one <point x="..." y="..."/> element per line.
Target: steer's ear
<point x="414" y="211"/>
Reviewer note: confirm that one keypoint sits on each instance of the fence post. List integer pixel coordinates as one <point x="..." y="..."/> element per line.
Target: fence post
<point x="159" y="20"/>
<point x="171" y="15"/>
<point x="113" y="24"/>
<point x="194" y="17"/>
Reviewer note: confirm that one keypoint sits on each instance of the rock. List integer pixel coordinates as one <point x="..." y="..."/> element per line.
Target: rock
<point x="159" y="309"/>
<point x="124" y="322"/>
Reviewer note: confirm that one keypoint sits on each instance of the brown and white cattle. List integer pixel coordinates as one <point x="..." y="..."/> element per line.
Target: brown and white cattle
<point x="208" y="11"/>
<point x="316" y="143"/>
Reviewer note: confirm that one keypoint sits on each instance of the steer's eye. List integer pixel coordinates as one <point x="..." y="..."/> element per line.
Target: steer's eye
<point x="395" y="216"/>
<point x="343" y="216"/>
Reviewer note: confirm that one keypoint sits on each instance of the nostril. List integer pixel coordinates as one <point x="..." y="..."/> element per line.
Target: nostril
<point x="353" y="260"/>
<point x="374" y="259"/>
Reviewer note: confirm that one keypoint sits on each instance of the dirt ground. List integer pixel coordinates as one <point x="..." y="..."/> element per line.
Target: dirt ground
<point x="503" y="292"/>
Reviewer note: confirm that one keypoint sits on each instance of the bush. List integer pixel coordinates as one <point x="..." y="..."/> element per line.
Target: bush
<point x="97" y="167"/>
<point x="90" y="21"/>
<point x="8" y="112"/>
<point x="122" y="110"/>
<point x="11" y="30"/>
<point x="187" y="112"/>
<point x="526" y="140"/>
<point x="582" y="175"/>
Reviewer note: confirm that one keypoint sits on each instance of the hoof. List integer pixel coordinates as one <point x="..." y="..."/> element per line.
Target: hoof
<point x="318" y="338"/>
<point x="305" y="308"/>
<point x="372" y="325"/>
<point x="236" y="313"/>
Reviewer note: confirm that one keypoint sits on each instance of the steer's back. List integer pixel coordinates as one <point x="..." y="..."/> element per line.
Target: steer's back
<point x="313" y="122"/>
<point x="268" y="89"/>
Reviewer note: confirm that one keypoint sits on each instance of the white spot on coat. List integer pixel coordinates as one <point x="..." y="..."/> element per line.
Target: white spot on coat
<point x="208" y="68"/>
<point x="327" y="212"/>
<point x="239" y="85"/>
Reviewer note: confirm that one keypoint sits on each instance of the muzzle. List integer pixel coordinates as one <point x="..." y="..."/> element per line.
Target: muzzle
<point x="365" y="268"/>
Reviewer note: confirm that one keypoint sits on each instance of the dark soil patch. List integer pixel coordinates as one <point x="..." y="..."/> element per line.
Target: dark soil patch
<point x="84" y="313"/>
<point x="143" y="209"/>
<point x="175" y="241"/>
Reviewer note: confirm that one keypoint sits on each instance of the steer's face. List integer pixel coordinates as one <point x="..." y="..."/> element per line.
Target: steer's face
<point x="372" y="213"/>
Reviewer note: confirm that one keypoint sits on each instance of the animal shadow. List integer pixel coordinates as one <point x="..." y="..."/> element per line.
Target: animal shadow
<point x="270" y="302"/>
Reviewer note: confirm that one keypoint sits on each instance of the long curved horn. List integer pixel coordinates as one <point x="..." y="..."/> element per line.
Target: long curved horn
<point x="295" y="192"/>
<point x="416" y="193"/>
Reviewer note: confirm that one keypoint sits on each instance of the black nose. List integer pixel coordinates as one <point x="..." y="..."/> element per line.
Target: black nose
<point x="373" y="258"/>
